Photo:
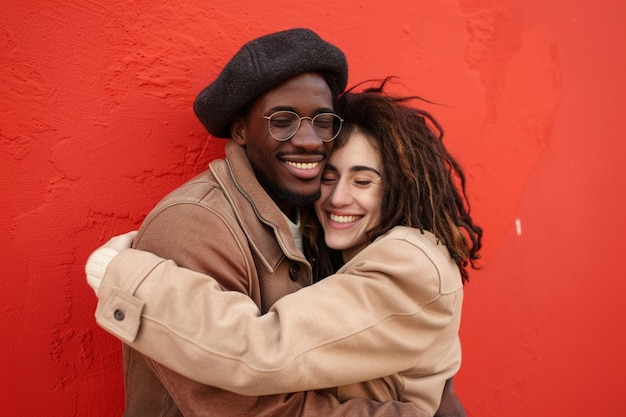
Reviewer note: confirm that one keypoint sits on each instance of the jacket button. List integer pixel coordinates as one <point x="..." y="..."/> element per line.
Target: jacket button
<point x="294" y="271"/>
<point x="119" y="315"/>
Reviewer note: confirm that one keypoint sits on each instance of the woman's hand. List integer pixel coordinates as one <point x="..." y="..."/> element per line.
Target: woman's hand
<point x="99" y="260"/>
<point x="121" y="242"/>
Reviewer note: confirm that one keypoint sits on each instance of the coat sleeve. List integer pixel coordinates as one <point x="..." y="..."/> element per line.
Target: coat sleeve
<point x="387" y="304"/>
<point x="120" y="311"/>
<point x="198" y="400"/>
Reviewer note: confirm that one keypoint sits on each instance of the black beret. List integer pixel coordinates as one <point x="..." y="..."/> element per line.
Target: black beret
<point x="263" y="63"/>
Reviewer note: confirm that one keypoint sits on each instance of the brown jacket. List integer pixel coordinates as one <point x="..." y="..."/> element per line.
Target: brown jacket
<point x="223" y="224"/>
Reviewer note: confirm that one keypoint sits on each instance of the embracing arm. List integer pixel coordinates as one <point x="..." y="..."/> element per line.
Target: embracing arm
<point x="194" y="398"/>
<point x="317" y="337"/>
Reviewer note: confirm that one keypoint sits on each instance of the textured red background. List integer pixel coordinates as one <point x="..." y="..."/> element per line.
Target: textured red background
<point x="96" y="126"/>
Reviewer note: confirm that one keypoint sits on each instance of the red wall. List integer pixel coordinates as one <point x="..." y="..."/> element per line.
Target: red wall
<point x="96" y="126"/>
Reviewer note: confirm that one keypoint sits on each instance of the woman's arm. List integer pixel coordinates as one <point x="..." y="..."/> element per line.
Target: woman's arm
<point x="329" y="334"/>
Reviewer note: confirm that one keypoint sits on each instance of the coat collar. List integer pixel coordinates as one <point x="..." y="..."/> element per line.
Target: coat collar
<point x="237" y="178"/>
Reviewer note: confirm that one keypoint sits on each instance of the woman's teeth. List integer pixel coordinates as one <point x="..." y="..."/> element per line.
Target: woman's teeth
<point x="343" y="219"/>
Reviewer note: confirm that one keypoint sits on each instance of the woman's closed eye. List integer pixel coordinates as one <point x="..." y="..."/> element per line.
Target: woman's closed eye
<point x="329" y="176"/>
<point x="363" y="182"/>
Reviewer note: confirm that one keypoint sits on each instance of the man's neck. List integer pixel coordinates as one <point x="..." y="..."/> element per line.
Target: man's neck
<point x="291" y="212"/>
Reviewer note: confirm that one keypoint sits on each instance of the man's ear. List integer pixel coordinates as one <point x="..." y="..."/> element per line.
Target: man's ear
<point x="238" y="130"/>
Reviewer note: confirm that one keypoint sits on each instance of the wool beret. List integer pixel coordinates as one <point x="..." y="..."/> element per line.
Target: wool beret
<point x="263" y="63"/>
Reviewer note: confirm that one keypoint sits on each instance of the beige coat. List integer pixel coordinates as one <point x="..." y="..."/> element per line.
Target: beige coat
<point x="221" y="223"/>
<point x="390" y="317"/>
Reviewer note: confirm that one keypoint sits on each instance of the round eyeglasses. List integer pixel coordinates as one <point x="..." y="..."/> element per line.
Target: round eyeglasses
<point x="284" y="124"/>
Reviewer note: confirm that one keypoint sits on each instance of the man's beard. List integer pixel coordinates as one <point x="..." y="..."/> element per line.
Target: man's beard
<point x="280" y="194"/>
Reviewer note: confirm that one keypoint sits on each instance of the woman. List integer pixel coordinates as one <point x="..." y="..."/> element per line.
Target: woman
<point x="393" y="210"/>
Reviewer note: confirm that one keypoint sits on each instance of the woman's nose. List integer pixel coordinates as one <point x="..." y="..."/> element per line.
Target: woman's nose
<point x="341" y="195"/>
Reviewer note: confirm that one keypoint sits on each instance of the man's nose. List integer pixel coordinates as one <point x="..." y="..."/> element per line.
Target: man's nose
<point x="306" y="137"/>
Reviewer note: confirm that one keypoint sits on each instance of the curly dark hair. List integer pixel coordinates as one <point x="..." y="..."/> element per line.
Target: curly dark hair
<point x="424" y="184"/>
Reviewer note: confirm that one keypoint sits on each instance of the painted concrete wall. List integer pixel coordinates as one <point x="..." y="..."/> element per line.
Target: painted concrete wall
<point x="96" y="126"/>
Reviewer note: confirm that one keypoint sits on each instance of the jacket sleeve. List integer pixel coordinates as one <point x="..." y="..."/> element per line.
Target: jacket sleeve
<point x="166" y="235"/>
<point x="318" y="337"/>
<point x="194" y="399"/>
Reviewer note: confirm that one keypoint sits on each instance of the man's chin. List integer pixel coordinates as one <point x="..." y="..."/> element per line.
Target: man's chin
<point x="299" y="199"/>
<point x="295" y="198"/>
<point x="300" y="194"/>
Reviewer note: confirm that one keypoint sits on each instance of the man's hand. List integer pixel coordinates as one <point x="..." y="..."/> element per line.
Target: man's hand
<point x="101" y="257"/>
<point x="450" y="404"/>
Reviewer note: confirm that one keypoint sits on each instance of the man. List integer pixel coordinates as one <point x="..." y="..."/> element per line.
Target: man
<point x="238" y="220"/>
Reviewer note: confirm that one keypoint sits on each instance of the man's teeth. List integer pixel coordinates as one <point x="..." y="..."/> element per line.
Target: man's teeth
<point x="303" y="165"/>
<point x="343" y="219"/>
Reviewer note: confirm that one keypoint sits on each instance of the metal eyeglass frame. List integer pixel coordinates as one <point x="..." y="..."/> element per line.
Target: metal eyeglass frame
<point x="312" y="119"/>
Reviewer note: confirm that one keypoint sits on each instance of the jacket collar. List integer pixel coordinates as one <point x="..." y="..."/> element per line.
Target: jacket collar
<point x="237" y="178"/>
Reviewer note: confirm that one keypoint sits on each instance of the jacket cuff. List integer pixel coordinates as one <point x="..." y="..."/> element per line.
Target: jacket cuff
<point x="120" y="315"/>
<point x="119" y="310"/>
<point x="97" y="265"/>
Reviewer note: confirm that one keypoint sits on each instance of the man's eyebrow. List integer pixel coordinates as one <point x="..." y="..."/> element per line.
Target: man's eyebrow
<point x="282" y="108"/>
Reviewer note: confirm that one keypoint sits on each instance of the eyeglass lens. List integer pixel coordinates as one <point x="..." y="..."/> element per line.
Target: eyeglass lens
<point x="284" y="124"/>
